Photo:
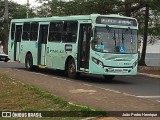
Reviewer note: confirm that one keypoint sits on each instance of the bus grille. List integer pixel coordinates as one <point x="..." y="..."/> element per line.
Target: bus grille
<point x="118" y="57"/>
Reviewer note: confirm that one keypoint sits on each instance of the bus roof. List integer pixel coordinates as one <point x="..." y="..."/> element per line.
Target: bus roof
<point x="72" y="17"/>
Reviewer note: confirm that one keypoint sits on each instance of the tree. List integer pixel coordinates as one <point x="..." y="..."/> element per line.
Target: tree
<point x="150" y="28"/>
<point x="5" y="42"/>
<point x="77" y="7"/>
<point x="142" y="60"/>
<point x="154" y="24"/>
<point x="14" y="10"/>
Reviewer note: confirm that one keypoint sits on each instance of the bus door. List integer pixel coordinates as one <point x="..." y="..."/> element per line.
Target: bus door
<point x="42" y="41"/>
<point x="17" y="42"/>
<point x="84" y="46"/>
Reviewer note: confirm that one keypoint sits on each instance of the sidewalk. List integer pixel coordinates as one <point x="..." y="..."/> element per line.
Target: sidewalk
<point x="149" y="71"/>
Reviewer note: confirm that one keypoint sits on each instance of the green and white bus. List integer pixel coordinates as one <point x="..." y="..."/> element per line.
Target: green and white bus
<point x="95" y="44"/>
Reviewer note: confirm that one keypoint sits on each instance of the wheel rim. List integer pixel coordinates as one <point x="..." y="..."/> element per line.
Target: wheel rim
<point x="28" y="63"/>
<point x="72" y="69"/>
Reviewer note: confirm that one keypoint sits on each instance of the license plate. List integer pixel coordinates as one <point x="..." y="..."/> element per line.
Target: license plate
<point x="118" y="70"/>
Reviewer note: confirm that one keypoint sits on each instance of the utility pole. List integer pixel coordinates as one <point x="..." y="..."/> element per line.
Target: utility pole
<point x="27" y="8"/>
<point x="5" y="42"/>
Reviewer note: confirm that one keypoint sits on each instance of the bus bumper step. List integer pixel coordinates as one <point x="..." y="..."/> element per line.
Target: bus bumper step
<point x="42" y="66"/>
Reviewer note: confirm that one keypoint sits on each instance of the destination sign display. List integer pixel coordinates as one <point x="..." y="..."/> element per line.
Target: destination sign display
<point x="116" y="21"/>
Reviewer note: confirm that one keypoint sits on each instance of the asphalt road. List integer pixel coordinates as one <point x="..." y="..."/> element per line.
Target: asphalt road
<point x="139" y="86"/>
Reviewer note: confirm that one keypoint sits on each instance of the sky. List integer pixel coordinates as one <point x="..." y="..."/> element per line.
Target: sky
<point x="31" y="2"/>
<point x="24" y="1"/>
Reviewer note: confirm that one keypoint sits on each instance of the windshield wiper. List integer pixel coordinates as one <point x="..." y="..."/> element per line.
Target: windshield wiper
<point x="131" y="37"/>
<point x="122" y="37"/>
<point x="131" y="41"/>
<point x="114" y="38"/>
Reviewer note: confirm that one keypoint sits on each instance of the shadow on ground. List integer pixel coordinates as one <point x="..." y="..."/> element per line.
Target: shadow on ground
<point x="87" y="78"/>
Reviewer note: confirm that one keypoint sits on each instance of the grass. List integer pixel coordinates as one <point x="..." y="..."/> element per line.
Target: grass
<point x="17" y="96"/>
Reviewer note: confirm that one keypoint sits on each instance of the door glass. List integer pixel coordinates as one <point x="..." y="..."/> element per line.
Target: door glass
<point x="43" y="34"/>
<point x="85" y="30"/>
<point x="18" y="34"/>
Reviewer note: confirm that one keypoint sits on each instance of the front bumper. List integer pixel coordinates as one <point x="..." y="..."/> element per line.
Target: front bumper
<point x="113" y="70"/>
<point x="120" y="71"/>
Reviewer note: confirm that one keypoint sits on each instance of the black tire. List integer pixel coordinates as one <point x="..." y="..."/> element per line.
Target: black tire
<point x="6" y="60"/>
<point x="109" y="77"/>
<point x="71" y="69"/>
<point x="29" y="62"/>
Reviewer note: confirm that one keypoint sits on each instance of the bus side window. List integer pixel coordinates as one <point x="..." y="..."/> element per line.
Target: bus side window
<point x="12" y="31"/>
<point x="70" y="31"/>
<point x="26" y="31"/>
<point x="34" y="31"/>
<point x="55" y="31"/>
<point x="18" y="33"/>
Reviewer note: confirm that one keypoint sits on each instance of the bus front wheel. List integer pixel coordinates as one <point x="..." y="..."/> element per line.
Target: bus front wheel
<point x="71" y="69"/>
<point x="109" y="77"/>
<point x="29" y="62"/>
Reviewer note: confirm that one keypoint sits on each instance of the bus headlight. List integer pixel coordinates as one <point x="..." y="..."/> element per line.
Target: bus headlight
<point x="134" y="64"/>
<point x="98" y="62"/>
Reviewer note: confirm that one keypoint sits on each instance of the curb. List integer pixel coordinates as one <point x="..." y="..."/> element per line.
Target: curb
<point x="148" y="68"/>
<point x="149" y="75"/>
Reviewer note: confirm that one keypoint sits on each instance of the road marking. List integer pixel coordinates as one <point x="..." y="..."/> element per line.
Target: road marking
<point x="151" y="99"/>
<point x="82" y="91"/>
<point x="148" y="96"/>
<point x="39" y="74"/>
<point x="118" y="92"/>
<point x="45" y="75"/>
<point x="88" y="85"/>
<point x="90" y="118"/>
<point x="149" y="75"/>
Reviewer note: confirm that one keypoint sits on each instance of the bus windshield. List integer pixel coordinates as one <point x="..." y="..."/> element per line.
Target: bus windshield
<point x="115" y="40"/>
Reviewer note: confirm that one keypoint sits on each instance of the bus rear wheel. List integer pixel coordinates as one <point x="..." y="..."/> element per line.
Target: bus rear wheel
<point x="109" y="77"/>
<point x="71" y="69"/>
<point x="29" y="62"/>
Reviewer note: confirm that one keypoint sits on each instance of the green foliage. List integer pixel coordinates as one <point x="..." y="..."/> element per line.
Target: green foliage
<point x="135" y="8"/>
<point x="76" y="7"/>
<point x="16" y="11"/>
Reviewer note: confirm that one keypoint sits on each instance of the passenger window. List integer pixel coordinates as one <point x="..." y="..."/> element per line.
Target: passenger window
<point x="55" y="31"/>
<point x="34" y="31"/>
<point x="18" y="33"/>
<point x="26" y="31"/>
<point x="70" y="31"/>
